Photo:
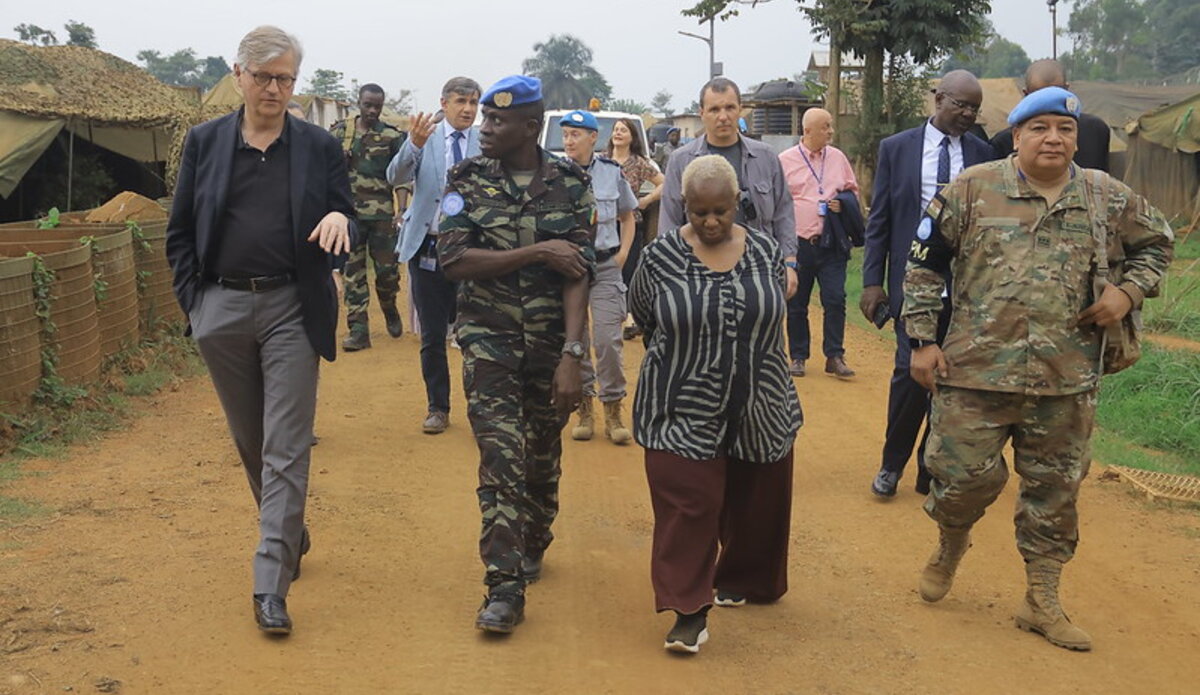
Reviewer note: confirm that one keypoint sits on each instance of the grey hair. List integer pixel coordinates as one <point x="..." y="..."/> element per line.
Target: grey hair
<point x="463" y="86"/>
<point x="266" y="43"/>
<point x="710" y="167"/>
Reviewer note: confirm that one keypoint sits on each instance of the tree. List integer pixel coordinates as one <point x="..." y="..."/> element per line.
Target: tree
<point x="1175" y="25"/>
<point x="1112" y="40"/>
<point x="998" y="57"/>
<point x="183" y="69"/>
<point x="564" y="65"/>
<point x="662" y="103"/>
<point x="328" y="83"/>
<point x="402" y="102"/>
<point x="32" y="33"/>
<point x="627" y="105"/>
<point x="80" y="34"/>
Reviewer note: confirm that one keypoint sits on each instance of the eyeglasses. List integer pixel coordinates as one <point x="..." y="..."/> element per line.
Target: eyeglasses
<point x="965" y="106"/>
<point x="262" y="79"/>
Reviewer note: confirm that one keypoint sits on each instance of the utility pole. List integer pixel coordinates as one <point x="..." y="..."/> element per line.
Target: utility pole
<point x="1053" y="28"/>
<point x="714" y="68"/>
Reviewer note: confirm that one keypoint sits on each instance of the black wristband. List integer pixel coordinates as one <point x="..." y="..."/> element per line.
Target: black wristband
<point x="916" y="343"/>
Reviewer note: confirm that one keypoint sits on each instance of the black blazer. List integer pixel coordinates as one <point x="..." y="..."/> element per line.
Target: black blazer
<point x="843" y="230"/>
<point x="319" y="185"/>
<point x="896" y="206"/>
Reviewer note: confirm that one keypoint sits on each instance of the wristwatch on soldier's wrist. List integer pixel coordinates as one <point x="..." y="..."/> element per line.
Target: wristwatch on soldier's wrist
<point x="574" y="348"/>
<point x="917" y="343"/>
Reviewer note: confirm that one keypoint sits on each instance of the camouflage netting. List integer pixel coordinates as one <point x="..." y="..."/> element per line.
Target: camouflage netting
<point x="85" y="85"/>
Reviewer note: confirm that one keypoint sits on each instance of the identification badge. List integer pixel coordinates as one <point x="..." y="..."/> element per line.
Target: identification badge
<point x="822" y="208"/>
<point x="428" y="263"/>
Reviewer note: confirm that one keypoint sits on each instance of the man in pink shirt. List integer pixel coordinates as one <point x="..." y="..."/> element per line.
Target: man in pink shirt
<point x="816" y="172"/>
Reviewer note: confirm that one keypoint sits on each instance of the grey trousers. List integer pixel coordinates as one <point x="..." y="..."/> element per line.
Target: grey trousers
<point x="606" y="300"/>
<point x="265" y="373"/>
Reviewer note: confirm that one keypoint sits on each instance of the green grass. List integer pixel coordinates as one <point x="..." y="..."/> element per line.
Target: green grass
<point x="1154" y="404"/>
<point x="1177" y="311"/>
<point x="13" y="509"/>
<point x="1189" y="248"/>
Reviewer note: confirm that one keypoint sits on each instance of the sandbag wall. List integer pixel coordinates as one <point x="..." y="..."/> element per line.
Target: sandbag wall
<point x="20" y="331"/>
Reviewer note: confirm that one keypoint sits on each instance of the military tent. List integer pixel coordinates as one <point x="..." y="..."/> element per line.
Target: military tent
<point x="1164" y="157"/>
<point x="93" y="95"/>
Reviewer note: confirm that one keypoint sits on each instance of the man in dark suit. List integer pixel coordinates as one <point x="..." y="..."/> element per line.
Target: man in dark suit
<point x="262" y="209"/>
<point x="913" y="165"/>
<point x="1093" y="136"/>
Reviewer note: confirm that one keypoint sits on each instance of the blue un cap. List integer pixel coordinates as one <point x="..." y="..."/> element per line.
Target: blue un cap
<point x="580" y="119"/>
<point x="1047" y="100"/>
<point x="514" y="90"/>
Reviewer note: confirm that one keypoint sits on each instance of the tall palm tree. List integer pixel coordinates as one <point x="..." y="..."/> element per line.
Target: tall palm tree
<point x="564" y="65"/>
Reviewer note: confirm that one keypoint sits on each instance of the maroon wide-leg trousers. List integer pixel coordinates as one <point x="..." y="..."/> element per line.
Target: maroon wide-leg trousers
<point x="718" y="524"/>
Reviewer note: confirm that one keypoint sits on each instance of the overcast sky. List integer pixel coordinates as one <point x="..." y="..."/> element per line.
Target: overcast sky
<point x="418" y="44"/>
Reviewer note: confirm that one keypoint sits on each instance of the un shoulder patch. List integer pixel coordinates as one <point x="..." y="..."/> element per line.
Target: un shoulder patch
<point x="925" y="229"/>
<point x="453" y="204"/>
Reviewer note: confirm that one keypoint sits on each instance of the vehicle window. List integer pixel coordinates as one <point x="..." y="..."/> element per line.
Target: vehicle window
<point x="554" y="134"/>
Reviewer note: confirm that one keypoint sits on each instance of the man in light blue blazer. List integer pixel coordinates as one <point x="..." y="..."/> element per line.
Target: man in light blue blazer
<point x="433" y="147"/>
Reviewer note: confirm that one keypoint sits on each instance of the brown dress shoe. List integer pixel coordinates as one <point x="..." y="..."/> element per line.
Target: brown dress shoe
<point x="796" y="368"/>
<point x="436" y="422"/>
<point x="837" y="367"/>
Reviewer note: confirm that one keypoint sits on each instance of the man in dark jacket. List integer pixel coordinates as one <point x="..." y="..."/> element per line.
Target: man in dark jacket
<point x="262" y="207"/>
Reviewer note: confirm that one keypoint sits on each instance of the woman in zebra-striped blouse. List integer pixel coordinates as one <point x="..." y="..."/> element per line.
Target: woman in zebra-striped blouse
<point x="715" y="407"/>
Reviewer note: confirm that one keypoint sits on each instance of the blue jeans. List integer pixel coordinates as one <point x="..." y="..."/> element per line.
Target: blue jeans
<point x="828" y="268"/>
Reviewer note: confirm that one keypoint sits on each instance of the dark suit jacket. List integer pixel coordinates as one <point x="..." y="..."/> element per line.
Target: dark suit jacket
<point x="896" y="207"/>
<point x="319" y="185"/>
<point x="843" y="230"/>
<point x="1093" y="141"/>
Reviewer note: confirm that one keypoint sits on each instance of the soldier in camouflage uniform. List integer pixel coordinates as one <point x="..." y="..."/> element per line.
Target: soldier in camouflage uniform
<point x="516" y="231"/>
<point x="1021" y="359"/>
<point x="370" y="144"/>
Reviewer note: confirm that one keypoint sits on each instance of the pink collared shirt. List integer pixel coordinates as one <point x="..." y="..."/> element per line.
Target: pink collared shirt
<point x="835" y="173"/>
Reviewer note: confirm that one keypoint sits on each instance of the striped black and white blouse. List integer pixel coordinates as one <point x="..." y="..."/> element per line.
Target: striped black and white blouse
<point x="715" y="378"/>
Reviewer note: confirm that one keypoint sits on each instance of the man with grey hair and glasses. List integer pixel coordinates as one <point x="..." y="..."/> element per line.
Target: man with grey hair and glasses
<point x="262" y="211"/>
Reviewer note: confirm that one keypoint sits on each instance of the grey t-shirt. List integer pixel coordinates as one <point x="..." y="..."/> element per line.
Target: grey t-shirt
<point x="733" y="155"/>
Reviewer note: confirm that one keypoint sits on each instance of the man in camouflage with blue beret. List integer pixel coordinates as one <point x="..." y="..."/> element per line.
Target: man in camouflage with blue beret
<point x="1023" y="355"/>
<point x="370" y="144"/>
<point x="517" y="230"/>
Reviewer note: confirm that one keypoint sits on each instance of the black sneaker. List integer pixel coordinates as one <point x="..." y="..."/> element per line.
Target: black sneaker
<point x="689" y="633"/>
<point x="885" y="484"/>
<point x="501" y="612"/>
<point x="728" y="599"/>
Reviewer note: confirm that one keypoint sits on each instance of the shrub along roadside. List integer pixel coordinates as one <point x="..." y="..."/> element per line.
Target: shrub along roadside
<point x="77" y="415"/>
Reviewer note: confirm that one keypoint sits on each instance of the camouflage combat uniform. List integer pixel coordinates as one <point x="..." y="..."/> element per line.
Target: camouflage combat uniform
<point x="511" y="330"/>
<point x="1018" y="364"/>
<point x="367" y="156"/>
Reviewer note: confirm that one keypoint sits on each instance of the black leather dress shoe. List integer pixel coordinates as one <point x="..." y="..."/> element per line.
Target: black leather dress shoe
<point x="531" y="565"/>
<point x="923" y="480"/>
<point x="885" y="484"/>
<point x="270" y="612"/>
<point x="305" y="546"/>
<point x="501" y="613"/>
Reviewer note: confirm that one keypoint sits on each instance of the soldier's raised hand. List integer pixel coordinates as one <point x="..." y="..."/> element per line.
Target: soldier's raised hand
<point x="422" y="126"/>
<point x="563" y="257"/>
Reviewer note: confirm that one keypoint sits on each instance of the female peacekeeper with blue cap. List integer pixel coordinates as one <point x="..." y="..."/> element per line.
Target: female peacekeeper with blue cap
<point x="1022" y="357"/>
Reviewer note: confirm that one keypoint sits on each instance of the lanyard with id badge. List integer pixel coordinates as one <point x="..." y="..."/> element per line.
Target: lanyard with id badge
<point x="822" y="204"/>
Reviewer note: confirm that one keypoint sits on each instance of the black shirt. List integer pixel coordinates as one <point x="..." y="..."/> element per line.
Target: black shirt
<point x="1092" y="143"/>
<point x="733" y="155"/>
<point x="256" y="227"/>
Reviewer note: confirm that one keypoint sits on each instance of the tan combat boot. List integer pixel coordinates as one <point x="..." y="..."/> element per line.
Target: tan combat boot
<point x="1041" y="612"/>
<point x="583" y="431"/>
<point x="614" y="429"/>
<point x="938" y="575"/>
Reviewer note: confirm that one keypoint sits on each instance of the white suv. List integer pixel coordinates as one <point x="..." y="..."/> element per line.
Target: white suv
<point x="552" y="132"/>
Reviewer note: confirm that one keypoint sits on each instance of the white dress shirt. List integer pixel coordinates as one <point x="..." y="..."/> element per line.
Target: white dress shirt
<point x="448" y="133"/>
<point x="929" y="161"/>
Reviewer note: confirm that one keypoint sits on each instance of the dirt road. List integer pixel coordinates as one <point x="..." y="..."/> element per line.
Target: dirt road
<point x="138" y="579"/>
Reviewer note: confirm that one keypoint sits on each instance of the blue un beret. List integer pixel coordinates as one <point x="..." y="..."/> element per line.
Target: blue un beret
<point x="1048" y="100"/>
<point x="513" y="90"/>
<point x="580" y="119"/>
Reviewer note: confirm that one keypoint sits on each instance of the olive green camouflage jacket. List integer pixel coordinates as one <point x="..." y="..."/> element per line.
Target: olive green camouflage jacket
<point x="367" y="156"/>
<point x="1022" y="273"/>
<point x="503" y="318"/>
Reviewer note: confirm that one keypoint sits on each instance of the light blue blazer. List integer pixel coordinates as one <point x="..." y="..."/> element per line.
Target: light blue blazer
<point x="427" y="167"/>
